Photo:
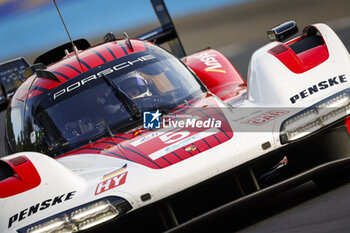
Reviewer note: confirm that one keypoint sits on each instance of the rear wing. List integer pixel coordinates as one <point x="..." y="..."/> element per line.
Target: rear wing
<point x="11" y="76"/>
<point x="165" y="33"/>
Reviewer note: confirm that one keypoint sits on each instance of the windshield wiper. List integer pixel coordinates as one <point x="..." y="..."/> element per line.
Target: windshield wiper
<point x="128" y="103"/>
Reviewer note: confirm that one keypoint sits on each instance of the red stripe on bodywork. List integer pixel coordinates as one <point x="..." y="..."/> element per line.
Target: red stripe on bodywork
<point x="25" y="177"/>
<point x="91" y="58"/>
<point x="67" y="71"/>
<point x="184" y="154"/>
<point x="23" y="92"/>
<point x="47" y="83"/>
<point x="211" y="141"/>
<point x="34" y="93"/>
<point x="116" y="49"/>
<point x="71" y="73"/>
<point x="110" y="50"/>
<point x="106" y="54"/>
<point x="172" y="158"/>
<point x="139" y="48"/>
<point x="221" y="136"/>
<point x="201" y="145"/>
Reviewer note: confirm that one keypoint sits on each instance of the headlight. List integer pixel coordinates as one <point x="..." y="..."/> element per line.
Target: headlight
<point x="82" y="217"/>
<point x="94" y="214"/>
<point x="60" y="224"/>
<point x="334" y="108"/>
<point x="315" y="117"/>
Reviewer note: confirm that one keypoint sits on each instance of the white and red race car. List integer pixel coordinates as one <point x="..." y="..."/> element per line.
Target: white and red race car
<point x="126" y="136"/>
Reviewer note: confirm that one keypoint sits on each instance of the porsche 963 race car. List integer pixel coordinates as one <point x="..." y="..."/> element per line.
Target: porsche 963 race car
<point x="127" y="136"/>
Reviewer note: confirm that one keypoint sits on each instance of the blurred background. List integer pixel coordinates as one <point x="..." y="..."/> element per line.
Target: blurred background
<point x="30" y="27"/>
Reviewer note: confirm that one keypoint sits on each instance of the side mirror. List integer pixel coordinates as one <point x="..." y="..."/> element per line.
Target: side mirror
<point x="282" y="31"/>
<point x="32" y="69"/>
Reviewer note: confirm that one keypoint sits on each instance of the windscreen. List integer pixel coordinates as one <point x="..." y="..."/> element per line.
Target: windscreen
<point x="103" y="102"/>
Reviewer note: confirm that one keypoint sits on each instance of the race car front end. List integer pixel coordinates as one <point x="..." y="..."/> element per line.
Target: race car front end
<point x="40" y="195"/>
<point x="309" y="76"/>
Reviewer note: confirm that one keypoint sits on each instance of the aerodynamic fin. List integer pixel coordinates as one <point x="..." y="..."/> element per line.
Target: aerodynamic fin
<point x="58" y="53"/>
<point x="32" y="69"/>
<point x="47" y="74"/>
<point x="165" y="33"/>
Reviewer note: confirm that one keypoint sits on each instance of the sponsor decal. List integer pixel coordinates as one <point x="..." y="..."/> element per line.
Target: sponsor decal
<point x="318" y="87"/>
<point x="112" y="180"/>
<point x="191" y="148"/>
<point x="107" y="71"/>
<point x="210" y="61"/>
<point x="39" y="207"/>
<point x="146" y="138"/>
<point x="264" y="117"/>
<point x="178" y="140"/>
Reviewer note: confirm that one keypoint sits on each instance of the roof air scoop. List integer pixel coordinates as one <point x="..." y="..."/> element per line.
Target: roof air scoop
<point x="282" y="31"/>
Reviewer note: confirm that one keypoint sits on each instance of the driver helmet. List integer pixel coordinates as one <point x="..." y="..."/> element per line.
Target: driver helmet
<point x="135" y="86"/>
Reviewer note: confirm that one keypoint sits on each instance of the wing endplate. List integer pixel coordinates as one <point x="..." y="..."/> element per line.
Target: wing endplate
<point x="167" y="31"/>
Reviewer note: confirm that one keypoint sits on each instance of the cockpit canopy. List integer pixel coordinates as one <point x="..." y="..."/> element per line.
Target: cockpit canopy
<point x="105" y="100"/>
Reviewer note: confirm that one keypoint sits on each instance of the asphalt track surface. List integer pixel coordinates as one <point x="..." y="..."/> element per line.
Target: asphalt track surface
<point x="307" y="208"/>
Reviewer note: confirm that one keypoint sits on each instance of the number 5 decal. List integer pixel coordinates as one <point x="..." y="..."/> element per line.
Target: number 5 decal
<point x="173" y="136"/>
